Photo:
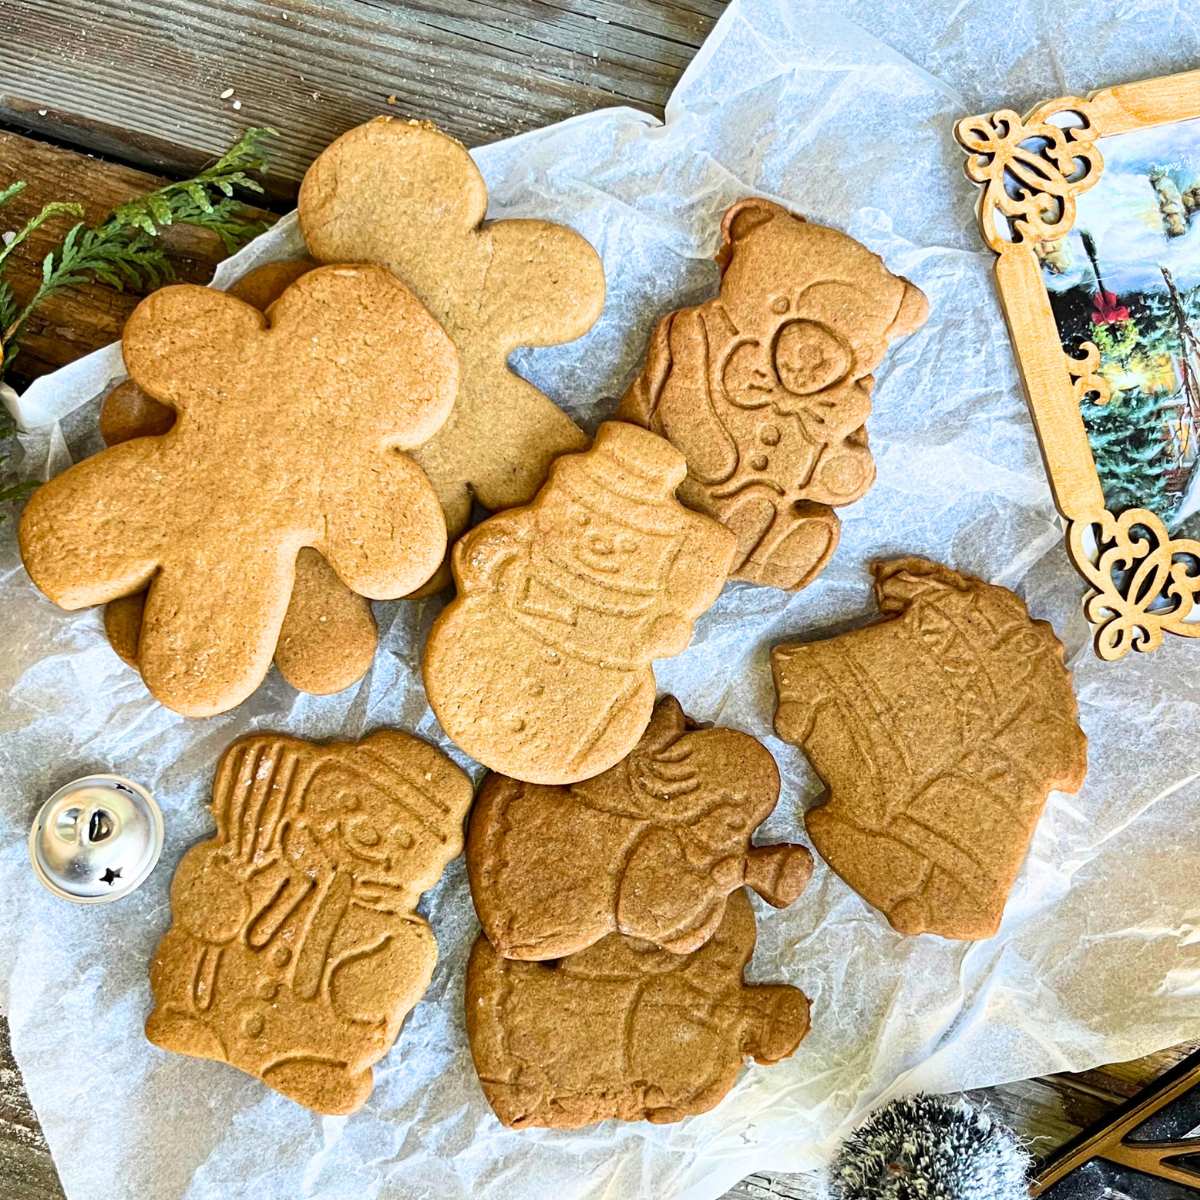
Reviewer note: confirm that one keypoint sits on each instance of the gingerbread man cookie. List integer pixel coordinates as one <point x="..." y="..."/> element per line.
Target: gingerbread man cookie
<point x="329" y="636"/>
<point x="938" y="732"/>
<point x="540" y="668"/>
<point x="295" y="951"/>
<point x="651" y="848"/>
<point x="289" y="434"/>
<point x="405" y="196"/>
<point x="624" y="1030"/>
<point x="766" y="388"/>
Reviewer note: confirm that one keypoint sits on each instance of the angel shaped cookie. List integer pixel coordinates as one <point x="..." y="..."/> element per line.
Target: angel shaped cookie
<point x="540" y="668"/>
<point x="405" y="196"/>
<point x="295" y="951"/>
<point x="328" y="637"/>
<point x="623" y="1029"/>
<point x="651" y="848"/>
<point x="766" y="388"/>
<point x="938" y="731"/>
<point x="289" y="433"/>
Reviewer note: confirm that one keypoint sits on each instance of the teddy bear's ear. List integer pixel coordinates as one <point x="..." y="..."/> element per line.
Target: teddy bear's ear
<point x="741" y="219"/>
<point x="390" y="192"/>
<point x="912" y="314"/>
<point x="181" y="343"/>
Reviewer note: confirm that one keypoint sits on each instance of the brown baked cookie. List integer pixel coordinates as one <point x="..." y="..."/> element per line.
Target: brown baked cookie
<point x="938" y="732"/>
<point x="329" y="635"/>
<point x="651" y="848"/>
<point x="540" y="668"/>
<point x="623" y="1029"/>
<point x="766" y="388"/>
<point x="295" y="950"/>
<point x="406" y="196"/>
<point x="289" y="435"/>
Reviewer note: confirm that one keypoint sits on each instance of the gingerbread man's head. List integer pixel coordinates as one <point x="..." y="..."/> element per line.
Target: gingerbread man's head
<point x="410" y="198"/>
<point x="290" y="433"/>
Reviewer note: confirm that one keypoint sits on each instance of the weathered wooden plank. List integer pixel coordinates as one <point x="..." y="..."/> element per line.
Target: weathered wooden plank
<point x="79" y="321"/>
<point x="144" y="80"/>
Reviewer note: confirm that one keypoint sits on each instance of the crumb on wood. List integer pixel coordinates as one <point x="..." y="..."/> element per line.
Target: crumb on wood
<point x="226" y="93"/>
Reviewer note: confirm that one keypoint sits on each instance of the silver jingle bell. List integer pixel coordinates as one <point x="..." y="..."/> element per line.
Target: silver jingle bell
<point x="96" y="839"/>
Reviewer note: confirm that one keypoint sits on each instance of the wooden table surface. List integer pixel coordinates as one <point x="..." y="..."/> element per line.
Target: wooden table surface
<point x="99" y="99"/>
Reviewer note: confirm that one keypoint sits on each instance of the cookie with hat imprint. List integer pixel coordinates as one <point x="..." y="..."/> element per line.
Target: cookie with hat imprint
<point x="650" y="848"/>
<point x="540" y="666"/>
<point x="295" y="949"/>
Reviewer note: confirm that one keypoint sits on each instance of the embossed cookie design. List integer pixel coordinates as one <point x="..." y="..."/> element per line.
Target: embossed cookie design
<point x="623" y="1029"/>
<point x="407" y="197"/>
<point x="295" y="951"/>
<point x="767" y="387"/>
<point x="938" y="731"/>
<point x="289" y="434"/>
<point x="329" y="636"/>
<point x="651" y="848"/>
<point x="540" y="668"/>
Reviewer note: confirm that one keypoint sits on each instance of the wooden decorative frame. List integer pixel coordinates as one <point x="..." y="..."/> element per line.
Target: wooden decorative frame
<point x="1030" y="169"/>
<point x="1146" y="1137"/>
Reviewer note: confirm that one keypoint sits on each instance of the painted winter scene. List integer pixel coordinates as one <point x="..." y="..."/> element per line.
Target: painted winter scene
<point x="1127" y="278"/>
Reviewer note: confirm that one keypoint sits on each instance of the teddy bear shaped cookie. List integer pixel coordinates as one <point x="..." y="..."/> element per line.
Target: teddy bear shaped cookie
<point x="766" y="388"/>
<point x="295" y="950"/>
<point x="624" y="1030"/>
<point x="329" y="636"/>
<point x="650" y="848"/>
<point x="408" y="197"/>
<point x="289" y="433"/>
<point x="938" y="731"/>
<point x="540" y="667"/>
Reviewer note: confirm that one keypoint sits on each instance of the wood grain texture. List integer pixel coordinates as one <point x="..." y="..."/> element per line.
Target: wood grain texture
<point x="79" y="321"/>
<point x="482" y="69"/>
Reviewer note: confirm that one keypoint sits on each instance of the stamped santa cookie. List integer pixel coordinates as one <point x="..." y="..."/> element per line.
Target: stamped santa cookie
<point x="406" y="196"/>
<point x="540" y="667"/>
<point x="651" y="848"/>
<point x="290" y="433"/>
<point x="766" y="387"/>
<point x="295" y="951"/>
<point x="329" y="636"/>
<point x="938" y="732"/>
<point x="624" y="1030"/>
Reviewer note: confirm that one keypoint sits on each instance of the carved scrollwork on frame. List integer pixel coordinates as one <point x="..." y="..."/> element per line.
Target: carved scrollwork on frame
<point x="1084" y="370"/>
<point x="1031" y="169"/>
<point x="1145" y="583"/>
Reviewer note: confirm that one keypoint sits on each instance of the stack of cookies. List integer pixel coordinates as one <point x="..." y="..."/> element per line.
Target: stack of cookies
<point x="315" y="439"/>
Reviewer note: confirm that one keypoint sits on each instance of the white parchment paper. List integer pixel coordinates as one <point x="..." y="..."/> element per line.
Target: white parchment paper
<point x="843" y="113"/>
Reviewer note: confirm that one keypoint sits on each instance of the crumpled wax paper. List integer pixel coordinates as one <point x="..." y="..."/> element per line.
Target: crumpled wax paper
<point x="843" y="113"/>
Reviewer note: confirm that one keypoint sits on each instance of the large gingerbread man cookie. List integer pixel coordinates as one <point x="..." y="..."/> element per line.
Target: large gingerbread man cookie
<point x="290" y="433"/>
<point x="295" y="950"/>
<point x="624" y="1030"/>
<point x="651" y="848"/>
<point x="329" y="636"/>
<point x="938" y="732"/>
<point x="766" y="388"/>
<point x="540" y="668"/>
<point x="405" y="196"/>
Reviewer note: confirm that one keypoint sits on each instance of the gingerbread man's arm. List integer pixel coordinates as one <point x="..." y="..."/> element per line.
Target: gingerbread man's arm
<point x="544" y="284"/>
<point x="85" y="541"/>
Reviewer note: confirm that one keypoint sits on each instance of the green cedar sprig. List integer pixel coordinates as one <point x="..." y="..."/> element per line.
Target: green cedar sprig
<point x="124" y="250"/>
